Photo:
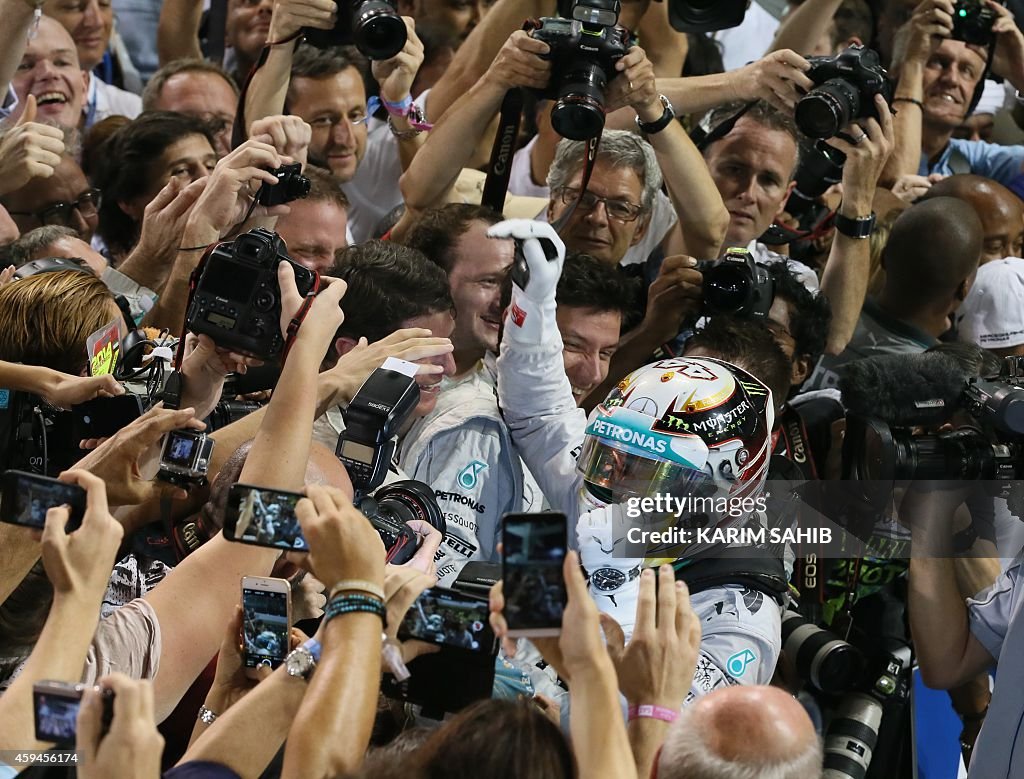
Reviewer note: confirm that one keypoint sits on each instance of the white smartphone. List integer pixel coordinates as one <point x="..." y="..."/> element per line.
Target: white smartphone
<point x="266" y="622"/>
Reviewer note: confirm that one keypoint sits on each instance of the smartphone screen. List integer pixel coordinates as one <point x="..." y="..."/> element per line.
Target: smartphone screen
<point x="28" y="496"/>
<point x="56" y="714"/>
<point x="449" y="618"/>
<point x="263" y="517"/>
<point x="102" y="417"/>
<point x="533" y="550"/>
<point x="265" y="625"/>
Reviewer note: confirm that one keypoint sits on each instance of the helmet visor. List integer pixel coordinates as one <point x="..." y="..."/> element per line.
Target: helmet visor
<point x="626" y="474"/>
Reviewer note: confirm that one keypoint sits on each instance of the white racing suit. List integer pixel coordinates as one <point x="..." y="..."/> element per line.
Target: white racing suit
<point x="741" y="627"/>
<point x="463" y="450"/>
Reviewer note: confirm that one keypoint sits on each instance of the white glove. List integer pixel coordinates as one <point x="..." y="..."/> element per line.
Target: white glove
<point x="613" y="581"/>
<point x="540" y="255"/>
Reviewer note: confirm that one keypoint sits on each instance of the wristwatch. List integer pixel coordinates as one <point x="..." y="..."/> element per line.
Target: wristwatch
<point x="302" y="660"/>
<point x="861" y="227"/>
<point x="650" y="128"/>
<point x="608" y="579"/>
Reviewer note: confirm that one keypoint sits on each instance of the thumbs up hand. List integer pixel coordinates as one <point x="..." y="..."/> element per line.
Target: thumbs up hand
<point x="28" y="150"/>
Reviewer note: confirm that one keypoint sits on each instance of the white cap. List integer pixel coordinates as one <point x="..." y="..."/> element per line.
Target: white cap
<point x="992" y="314"/>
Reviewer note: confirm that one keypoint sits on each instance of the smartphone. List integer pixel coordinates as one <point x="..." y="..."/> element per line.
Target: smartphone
<point x="102" y="417"/>
<point x="263" y="517"/>
<point x="449" y="618"/>
<point x="533" y="550"/>
<point x="26" y="497"/>
<point x="56" y="707"/>
<point x="266" y="622"/>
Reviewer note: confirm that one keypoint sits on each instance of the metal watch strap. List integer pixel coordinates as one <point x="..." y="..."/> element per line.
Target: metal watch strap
<point x="861" y="227"/>
<point x="650" y="128"/>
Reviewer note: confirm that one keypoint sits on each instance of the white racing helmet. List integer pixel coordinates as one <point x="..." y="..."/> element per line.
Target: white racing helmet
<point x="682" y="426"/>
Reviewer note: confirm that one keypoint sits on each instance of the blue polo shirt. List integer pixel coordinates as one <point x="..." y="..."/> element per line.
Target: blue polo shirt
<point x="1000" y="163"/>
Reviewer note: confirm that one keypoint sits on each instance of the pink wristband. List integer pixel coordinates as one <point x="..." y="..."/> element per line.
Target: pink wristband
<point x="652" y="712"/>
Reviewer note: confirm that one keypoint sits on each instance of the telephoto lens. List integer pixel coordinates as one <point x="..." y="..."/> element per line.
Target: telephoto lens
<point x="826" y="109"/>
<point x="824" y="660"/>
<point x="851" y="737"/>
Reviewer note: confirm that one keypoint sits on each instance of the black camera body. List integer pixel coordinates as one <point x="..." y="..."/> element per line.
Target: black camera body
<point x="972" y="22"/>
<point x="291" y="185"/>
<point x="584" y="50"/>
<point x="373" y="26"/>
<point x="392" y="506"/>
<point x="237" y="300"/>
<point x="736" y="285"/>
<point x="845" y="90"/>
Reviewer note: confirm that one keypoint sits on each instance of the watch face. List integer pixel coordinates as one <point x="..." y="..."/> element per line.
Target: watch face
<point x="606" y="579"/>
<point x="299" y="663"/>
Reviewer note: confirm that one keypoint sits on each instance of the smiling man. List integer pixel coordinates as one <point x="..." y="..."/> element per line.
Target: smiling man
<point x="49" y="70"/>
<point x="938" y="77"/>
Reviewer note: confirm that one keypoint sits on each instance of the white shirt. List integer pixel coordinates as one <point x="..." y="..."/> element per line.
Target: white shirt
<point x="520" y="180"/>
<point x="750" y="40"/>
<point x="104" y="100"/>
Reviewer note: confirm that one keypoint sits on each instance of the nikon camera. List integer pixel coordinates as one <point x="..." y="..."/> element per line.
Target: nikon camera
<point x="845" y="90"/>
<point x="584" y="50"/>
<point x="237" y="301"/>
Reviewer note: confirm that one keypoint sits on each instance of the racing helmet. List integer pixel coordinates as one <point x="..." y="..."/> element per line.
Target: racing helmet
<point x="696" y="426"/>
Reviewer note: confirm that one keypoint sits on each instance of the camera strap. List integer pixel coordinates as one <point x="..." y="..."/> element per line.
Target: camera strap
<point x="300" y="316"/>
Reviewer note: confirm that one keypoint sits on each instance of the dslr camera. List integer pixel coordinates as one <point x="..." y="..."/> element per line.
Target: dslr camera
<point x="374" y="26"/>
<point x="972" y="22"/>
<point x="737" y="285"/>
<point x="365" y="448"/>
<point x="584" y="50"/>
<point x="237" y="299"/>
<point x="291" y="185"/>
<point x="845" y="89"/>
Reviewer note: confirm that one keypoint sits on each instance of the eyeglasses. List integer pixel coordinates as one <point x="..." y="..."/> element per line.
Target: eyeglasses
<point x="87" y="204"/>
<point x="619" y="210"/>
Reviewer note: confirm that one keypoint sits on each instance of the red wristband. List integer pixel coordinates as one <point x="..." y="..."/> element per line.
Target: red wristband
<point x="647" y="711"/>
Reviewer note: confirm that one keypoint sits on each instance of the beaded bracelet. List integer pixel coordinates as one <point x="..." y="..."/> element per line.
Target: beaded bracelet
<point x="349" y="603"/>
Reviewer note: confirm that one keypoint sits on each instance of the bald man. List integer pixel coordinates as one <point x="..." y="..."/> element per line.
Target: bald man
<point x="930" y="261"/>
<point x="749" y="731"/>
<point x="1000" y="211"/>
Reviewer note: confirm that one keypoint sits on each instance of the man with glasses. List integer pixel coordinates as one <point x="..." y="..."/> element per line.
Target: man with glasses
<point x="197" y="88"/>
<point x="65" y="199"/>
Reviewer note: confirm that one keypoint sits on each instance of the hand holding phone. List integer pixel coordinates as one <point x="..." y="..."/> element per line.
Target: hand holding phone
<point x="449" y="618"/>
<point x="533" y="551"/>
<point x="264" y="517"/>
<point x="27" y="497"/>
<point x="56" y="706"/>
<point x="266" y="623"/>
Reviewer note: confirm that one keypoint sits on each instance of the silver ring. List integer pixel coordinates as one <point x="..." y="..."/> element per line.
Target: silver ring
<point x="860" y="138"/>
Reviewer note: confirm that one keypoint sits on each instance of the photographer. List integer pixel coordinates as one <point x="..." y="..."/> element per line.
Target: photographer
<point x="955" y="640"/>
<point x="625" y="172"/>
<point x="938" y="78"/>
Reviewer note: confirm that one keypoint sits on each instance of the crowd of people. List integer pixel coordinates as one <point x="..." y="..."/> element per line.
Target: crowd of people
<point x="732" y="277"/>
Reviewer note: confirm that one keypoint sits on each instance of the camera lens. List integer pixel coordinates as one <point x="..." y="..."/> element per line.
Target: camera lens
<point x="727" y="287"/>
<point x="821" y="657"/>
<point x="407" y="500"/>
<point x="852" y="736"/>
<point x="297" y="186"/>
<point x="827" y="108"/>
<point x="378" y="31"/>
<point x="579" y="112"/>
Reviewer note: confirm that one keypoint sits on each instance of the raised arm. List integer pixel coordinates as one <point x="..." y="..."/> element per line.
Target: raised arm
<point x="845" y="278"/>
<point x="278" y="458"/>
<point x="703" y="218"/>
<point x="177" y="34"/>
<point x="451" y="143"/>
<point x="948" y="652"/>
<point x="805" y="25"/>
<point x="18" y="19"/>
<point x="78" y="565"/>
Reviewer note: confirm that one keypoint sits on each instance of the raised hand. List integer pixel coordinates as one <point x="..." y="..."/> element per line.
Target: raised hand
<point x="29" y="150"/>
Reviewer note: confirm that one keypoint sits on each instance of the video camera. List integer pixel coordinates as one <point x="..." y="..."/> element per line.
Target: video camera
<point x="736" y="285"/>
<point x="881" y="442"/>
<point x="584" y="49"/>
<point x="237" y="300"/>
<point x="845" y="89"/>
<point x="374" y="26"/>
<point x="365" y="448"/>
